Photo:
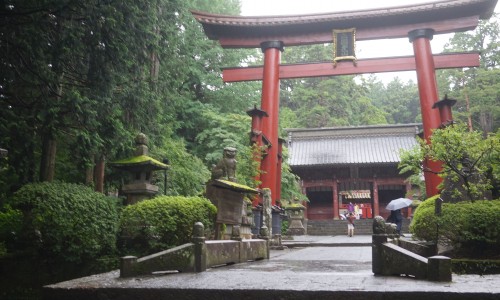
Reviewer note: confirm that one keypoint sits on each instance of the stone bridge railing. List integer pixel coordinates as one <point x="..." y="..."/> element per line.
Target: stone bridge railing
<point x="389" y="256"/>
<point x="198" y="255"/>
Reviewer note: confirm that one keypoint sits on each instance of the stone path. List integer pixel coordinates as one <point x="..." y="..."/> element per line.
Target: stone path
<point x="335" y="271"/>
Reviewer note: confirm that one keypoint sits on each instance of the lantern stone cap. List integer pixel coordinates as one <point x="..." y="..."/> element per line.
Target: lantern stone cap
<point x="294" y="206"/>
<point x="234" y="186"/>
<point x="257" y="112"/>
<point x="444" y="102"/>
<point x="139" y="162"/>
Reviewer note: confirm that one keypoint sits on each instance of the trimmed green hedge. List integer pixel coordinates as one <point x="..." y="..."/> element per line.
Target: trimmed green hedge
<point x="481" y="267"/>
<point x="472" y="228"/>
<point x="66" y="222"/>
<point x="163" y="222"/>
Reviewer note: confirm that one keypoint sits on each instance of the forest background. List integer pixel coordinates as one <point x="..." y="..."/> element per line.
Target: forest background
<point x="80" y="79"/>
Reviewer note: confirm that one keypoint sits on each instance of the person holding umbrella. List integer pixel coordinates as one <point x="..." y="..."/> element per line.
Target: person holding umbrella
<point x="397" y="218"/>
<point x="395" y="207"/>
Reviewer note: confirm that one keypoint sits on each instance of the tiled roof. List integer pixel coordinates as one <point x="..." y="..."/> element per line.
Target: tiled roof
<point x="350" y="145"/>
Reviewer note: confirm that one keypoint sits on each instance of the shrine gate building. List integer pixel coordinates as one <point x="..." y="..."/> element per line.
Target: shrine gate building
<point x="351" y="164"/>
<point x="272" y="34"/>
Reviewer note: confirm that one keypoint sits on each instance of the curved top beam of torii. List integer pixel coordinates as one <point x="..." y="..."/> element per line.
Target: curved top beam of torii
<point x="392" y="22"/>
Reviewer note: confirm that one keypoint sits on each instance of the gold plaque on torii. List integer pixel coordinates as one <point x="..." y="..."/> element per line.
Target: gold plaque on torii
<point x="344" y="45"/>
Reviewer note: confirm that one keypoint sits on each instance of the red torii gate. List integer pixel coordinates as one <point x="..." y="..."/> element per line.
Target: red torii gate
<point x="417" y="22"/>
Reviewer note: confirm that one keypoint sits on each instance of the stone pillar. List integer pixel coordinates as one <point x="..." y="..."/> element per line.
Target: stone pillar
<point x="427" y="88"/>
<point x="266" y="210"/>
<point x="200" y="248"/>
<point x="270" y="104"/>
<point x="127" y="266"/>
<point x="335" y="193"/>
<point x="439" y="268"/>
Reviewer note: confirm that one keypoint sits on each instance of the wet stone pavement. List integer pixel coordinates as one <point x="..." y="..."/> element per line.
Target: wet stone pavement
<point x="329" y="268"/>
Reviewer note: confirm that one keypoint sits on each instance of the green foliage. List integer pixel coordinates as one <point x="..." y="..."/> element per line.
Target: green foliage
<point x="11" y="221"/>
<point x="466" y="157"/>
<point x="476" y="89"/>
<point x="475" y="266"/>
<point x="187" y="174"/>
<point x="284" y="227"/>
<point x="66" y="222"/>
<point x="290" y="187"/>
<point x="163" y="222"/>
<point x="471" y="228"/>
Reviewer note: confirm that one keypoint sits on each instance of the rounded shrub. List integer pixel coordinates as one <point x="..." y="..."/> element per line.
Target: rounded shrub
<point x="163" y="222"/>
<point x="65" y="221"/>
<point x="471" y="228"/>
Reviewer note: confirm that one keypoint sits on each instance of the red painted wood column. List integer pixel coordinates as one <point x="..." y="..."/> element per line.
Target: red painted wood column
<point x="376" y="211"/>
<point x="270" y="104"/>
<point x="335" y="192"/>
<point x="427" y="88"/>
<point x="256" y="140"/>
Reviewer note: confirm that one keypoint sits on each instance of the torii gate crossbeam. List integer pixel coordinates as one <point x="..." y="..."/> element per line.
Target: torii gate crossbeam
<point x="374" y="65"/>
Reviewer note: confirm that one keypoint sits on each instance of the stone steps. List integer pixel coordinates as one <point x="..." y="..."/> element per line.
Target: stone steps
<point x="339" y="227"/>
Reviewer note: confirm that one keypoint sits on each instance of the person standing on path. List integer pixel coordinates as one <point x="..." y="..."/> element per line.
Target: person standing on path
<point x="350" y="225"/>
<point x="397" y="218"/>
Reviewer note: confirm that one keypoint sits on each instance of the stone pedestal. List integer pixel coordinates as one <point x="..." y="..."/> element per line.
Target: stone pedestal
<point x="229" y="198"/>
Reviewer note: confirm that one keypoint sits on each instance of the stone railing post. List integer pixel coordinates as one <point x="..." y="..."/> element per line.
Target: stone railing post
<point x="200" y="249"/>
<point x="379" y="237"/>
<point x="439" y="268"/>
<point x="127" y="266"/>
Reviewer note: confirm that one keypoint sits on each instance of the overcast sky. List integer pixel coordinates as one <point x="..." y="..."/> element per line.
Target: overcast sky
<point x="364" y="49"/>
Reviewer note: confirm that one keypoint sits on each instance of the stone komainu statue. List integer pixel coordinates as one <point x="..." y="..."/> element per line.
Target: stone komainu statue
<point x="226" y="167"/>
<point x="378" y="225"/>
<point x="381" y="227"/>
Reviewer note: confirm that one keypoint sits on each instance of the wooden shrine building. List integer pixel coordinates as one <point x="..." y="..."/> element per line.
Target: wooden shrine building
<point x="351" y="164"/>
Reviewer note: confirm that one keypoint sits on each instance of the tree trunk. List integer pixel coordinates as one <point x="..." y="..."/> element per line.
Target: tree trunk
<point x="89" y="174"/>
<point x="48" y="159"/>
<point x="486" y="121"/>
<point x="99" y="174"/>
<point x="469" y="117"/>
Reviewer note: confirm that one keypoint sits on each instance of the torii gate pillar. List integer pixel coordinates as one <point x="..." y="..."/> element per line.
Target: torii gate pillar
<point x="270" y="104"/>
<point x="427" y="88"/>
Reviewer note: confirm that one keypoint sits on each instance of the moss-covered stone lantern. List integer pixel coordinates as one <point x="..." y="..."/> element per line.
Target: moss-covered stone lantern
<point x="140" y="167"/>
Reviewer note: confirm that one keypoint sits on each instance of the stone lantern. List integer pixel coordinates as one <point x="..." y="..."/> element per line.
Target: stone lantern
<point x="295" y="213"/>
<point x="140" y="167"/>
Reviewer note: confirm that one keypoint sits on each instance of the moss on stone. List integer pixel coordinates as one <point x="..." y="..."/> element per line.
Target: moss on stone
<point x="139" y="160"/>
<point x="235" y="186"/>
